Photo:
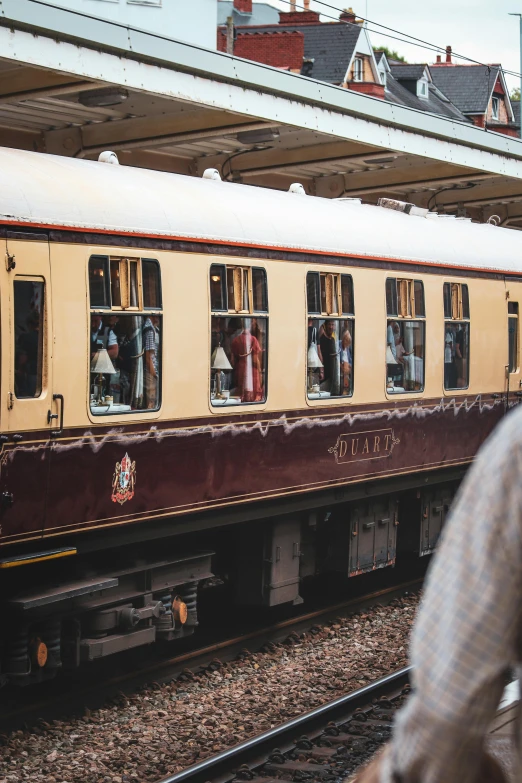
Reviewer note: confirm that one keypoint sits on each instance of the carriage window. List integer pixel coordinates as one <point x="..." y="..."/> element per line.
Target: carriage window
<point x="29" y="329"/>
<point x="125" y="347"/>
<point x="456" y="336"/>
<point x="513" y="336"/>
<point x="405" y="335"/>
<point x="239" y="334"/>
<point x="330" y="340"/>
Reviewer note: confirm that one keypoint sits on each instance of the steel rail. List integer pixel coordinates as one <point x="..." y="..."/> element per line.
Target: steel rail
<point x="252" y="750"/>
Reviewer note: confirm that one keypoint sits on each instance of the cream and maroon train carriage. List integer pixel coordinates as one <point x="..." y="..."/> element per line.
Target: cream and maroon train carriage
<point x="190" y="366"/>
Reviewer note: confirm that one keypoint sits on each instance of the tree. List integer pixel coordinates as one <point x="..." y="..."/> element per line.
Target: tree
<point x="391" y="54"/>
<point x="515" y="94"/>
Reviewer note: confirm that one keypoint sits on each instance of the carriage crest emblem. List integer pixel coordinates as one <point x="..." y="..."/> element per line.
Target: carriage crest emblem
<point x="124" y="480"/>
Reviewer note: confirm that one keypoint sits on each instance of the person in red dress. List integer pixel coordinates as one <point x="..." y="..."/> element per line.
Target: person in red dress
<point x="246" y="352"/>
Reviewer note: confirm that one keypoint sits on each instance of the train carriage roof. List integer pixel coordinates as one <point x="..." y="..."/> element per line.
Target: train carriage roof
<point x="51" y="191"/>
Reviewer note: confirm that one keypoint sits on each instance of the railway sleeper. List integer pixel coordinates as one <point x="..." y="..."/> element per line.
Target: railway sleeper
<point x="65" y="624"/>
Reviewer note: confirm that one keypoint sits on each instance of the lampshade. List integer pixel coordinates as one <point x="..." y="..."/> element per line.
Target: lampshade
<point x="220" y="361"/>
<point x="390" y="358"/>
<point x="314" y="361"/>
<point x="101" y="363"/>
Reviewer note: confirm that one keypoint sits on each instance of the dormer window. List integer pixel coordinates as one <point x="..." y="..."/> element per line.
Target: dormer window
<point x="495" y="107"/>
<point x="422" y="88"/>
<point x="382" y="74"/>
<point x="358" y="69"/>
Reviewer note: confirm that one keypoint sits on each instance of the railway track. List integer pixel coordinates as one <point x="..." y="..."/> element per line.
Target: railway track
<point x="65" y="697"/>
<point x="326" y="744"/>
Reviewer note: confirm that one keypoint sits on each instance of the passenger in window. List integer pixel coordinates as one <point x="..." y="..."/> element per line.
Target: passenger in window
<point x="392" y="335"/>
<point x="450" y="370"/>
<point x="331" y="359"/>
<point x="103" y="337"/>
<point x="346" y="362"/>
<point x="246" y="353"/>
<point x="406" y="359"/>
<point x="460" y="357"/>
<point x="151" y="352"/>
<point x="260" y="336"/>
<point x="234" y="328"/>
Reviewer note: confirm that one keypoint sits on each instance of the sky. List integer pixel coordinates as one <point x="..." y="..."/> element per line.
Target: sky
<point x="480" y="29"/>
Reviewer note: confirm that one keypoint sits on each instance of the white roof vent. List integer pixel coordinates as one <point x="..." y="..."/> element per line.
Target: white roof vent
<point x="296" y="187"/>
<point x="108" y="157"/>
<point x="211" y="174"/>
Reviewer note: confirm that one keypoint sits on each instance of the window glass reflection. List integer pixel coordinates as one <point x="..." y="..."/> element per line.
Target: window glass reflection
<point x="405" y="348"/>
<point x="238" y="360"/>
<point x="330" y="357"/>
<point x="125" y="363"/>
<point x="456" y="355"/>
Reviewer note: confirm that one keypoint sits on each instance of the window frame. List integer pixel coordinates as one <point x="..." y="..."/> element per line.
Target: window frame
<point x="405" y="294"/>
<point x="144" y="312"/>
<point x="460" y="313"/>
<point x="358" y="69"/>
<point x="324" y="315"/>
<point x="42" y="342"/>
<point x="495" y="107"/>
<point x="422" y="88"/>
<point x="238" y="275"/>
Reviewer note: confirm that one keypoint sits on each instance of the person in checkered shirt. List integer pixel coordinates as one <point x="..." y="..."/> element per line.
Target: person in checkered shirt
<point x="468" y="633"/>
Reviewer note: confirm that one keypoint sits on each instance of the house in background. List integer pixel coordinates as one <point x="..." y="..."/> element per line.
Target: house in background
<point x="479" y="91"/>
<point x="337" y="52"/>
<point x="341" y="53"/>
<point x="412" y="85"/>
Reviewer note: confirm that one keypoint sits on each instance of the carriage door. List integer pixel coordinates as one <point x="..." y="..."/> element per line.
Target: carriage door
<point x="26" y="384"/>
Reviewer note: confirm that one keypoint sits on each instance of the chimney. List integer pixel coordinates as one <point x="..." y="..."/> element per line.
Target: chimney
<point x="347" y="16"/>
<point x="439" y="58"/>
<point x="448" y="54"/>
<point x="243" y="6"/>
<point x="306" y="4"/>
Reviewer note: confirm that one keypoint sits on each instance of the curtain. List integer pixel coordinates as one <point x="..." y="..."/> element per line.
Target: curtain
<point x="137" y="341"/>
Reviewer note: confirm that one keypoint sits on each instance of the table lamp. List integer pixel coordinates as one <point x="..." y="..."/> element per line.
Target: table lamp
<point x="101" y="365"/>
<point x="390" y="358"/>
<point x="314" y="362"/>
<point x="220" y="363"/>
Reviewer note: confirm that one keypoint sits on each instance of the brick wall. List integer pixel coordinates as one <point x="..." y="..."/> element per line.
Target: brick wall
<point x="367" y="88"/>
<point x="278" y="49"/>
<point x="502" y="112"/>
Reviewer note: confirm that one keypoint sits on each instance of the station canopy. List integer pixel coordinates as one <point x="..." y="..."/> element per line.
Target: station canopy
<point x="74" y="85"/>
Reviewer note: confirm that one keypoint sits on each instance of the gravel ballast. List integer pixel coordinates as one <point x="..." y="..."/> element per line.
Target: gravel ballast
<point x="163" y="728"/>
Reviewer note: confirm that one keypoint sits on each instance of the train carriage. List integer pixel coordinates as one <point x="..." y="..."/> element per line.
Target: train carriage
<point x="198" y="376"/>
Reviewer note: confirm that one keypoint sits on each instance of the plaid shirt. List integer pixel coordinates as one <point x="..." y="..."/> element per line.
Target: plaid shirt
<point x="468" y="630"/>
